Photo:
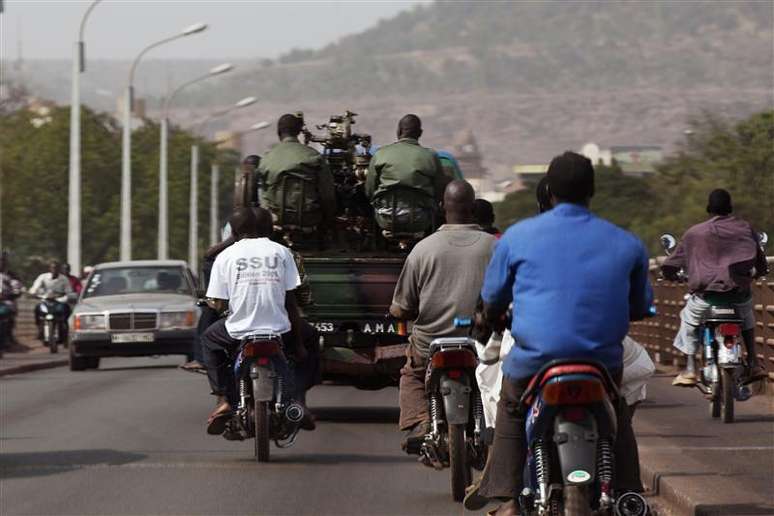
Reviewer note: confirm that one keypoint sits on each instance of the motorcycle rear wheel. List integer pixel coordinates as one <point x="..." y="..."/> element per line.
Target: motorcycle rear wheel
<point x="715" y="401"/>
<point x="727" y="386"/>
<point x="458" y="462"/>
<point x="262" y="431"/>
<point x="576" y="501"/>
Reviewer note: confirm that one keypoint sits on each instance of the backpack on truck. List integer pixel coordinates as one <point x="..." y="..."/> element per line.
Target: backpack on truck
<point x="295" y="201"/>
<point x="404" y="212"/>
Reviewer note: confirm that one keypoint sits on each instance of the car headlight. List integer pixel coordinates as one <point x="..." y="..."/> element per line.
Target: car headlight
<point x="177" y="320"/>
<point x="89" y="322"/>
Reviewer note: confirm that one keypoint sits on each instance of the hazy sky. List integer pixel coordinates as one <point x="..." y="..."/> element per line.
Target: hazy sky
<point x="240" y="29"/>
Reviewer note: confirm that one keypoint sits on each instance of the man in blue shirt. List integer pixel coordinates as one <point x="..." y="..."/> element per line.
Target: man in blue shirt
<point x="575" y="281"/>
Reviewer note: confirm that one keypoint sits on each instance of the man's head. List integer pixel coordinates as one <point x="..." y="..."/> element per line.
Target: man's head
<point x="55" y="268"/>
<point x="458" y="200"/>
<point x="250" y="163"/>
<point x="719" y="203"/>
<point x="263" y="221"/>
<point x="289" y="126"/>
<point x="543" y="195"/>
<point x="571" y="179"/>
<point x="483" y="213"/>
<point x="410" y="126"/>
<point x="66" y="269"/>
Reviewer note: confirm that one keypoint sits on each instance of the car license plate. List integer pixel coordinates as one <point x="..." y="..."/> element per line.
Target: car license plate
<point x="131" y="337"/>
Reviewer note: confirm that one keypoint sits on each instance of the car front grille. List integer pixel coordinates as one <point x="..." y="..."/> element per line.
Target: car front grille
<point x="132" y="321"/>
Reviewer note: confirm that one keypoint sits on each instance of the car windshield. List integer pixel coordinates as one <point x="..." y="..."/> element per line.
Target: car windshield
<point x="137" y="280"/>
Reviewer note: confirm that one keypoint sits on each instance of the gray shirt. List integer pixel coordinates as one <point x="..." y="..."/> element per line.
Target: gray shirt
<point x="442" y="279"/>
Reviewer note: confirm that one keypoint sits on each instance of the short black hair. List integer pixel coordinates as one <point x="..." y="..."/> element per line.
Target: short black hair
<point x="483" y="212"/>
<point x="571" y="178"/>
<point x="289" y="125"/>
<point x="410" y="126"/>
<point x="243" y="223"/>
<point x="252" y="159"/>
<point x="719" y="202"/>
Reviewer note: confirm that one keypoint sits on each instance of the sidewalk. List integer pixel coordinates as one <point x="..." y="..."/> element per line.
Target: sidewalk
<point x="31" y="355"/>
<point x="700" y="466"/>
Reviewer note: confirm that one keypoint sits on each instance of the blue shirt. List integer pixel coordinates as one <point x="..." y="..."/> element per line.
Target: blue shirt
<point x="575" y="281"/>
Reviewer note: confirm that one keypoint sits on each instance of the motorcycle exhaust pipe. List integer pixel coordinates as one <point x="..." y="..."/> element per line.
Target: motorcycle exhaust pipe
<point x="631" y="504"/>
<point x="294" y="413"/>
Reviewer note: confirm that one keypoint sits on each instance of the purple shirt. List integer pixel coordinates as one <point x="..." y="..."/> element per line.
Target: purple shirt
<point x="718" y="255"/>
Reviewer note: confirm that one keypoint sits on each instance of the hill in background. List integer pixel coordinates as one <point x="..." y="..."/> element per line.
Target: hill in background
<point x="531" y="79"/>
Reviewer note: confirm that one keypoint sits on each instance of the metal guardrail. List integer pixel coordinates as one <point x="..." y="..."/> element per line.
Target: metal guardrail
<point x="658" y="333"/>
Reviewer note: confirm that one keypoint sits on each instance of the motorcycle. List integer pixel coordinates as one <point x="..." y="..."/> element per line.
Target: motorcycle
<point x="264" y="408"/>
<point x="571" y="428"/>
<point x="54" y="322"/>
<point x="722" y="376"/>
<point x="456" y="439"/>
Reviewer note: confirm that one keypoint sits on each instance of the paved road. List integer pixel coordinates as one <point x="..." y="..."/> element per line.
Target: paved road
<point x="128" y="440"/>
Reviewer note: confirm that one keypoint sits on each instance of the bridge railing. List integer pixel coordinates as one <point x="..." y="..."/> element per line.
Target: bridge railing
<point x="658" y="333"/>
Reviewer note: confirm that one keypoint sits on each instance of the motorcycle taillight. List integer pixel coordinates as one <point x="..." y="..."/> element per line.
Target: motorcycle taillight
<point x="729" y="329"/>
<point x="573" y="392"/>
<point x="454" y="359"/>
<point x="261" y="348"/>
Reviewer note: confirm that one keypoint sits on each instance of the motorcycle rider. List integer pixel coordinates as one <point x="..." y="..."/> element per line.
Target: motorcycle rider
<point x="53" y="285"/>
<point x="10" y="289"/>
<point x="255" y="278"/>
<point x="568" y="301"/>
<point x="439" y="282"/>
<point x="721" y="257"/>
<point x="75" y="282"/>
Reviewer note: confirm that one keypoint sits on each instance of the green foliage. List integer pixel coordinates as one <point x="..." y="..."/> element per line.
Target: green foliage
<point x="35" y="162"/>
<point x="717" y="154"/>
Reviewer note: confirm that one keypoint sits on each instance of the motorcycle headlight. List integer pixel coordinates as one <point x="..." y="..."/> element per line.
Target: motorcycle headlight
<point x="89" y="322"/>
<point x="177" y="320"/>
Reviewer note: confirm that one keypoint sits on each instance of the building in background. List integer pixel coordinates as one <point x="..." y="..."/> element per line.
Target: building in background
<point x="637" y="160"/>
<point x="468" y="155"/>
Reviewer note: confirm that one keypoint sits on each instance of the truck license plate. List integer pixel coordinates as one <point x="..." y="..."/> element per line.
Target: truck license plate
<point x="120" y="338"/>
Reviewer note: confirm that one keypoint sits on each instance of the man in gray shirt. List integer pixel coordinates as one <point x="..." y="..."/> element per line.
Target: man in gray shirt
<point x="441" y="280"/>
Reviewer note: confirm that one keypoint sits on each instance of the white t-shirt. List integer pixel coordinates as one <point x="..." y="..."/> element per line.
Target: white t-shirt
<point x="254" y="274"/>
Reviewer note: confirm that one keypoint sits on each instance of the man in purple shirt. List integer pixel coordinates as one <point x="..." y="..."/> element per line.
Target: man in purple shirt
<point x="721" y="257"/>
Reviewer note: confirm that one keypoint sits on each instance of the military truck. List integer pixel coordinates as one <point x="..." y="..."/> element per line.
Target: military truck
<point x="352" y="275"/>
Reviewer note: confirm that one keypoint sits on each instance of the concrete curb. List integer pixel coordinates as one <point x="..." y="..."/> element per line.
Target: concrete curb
<point x="36" y="366"/>
<point x="677" y="502"/>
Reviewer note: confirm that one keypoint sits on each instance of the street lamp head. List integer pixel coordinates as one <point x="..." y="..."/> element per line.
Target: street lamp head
<point x="246" y="102"/>
<point x="259" y="126"/>
<point x="222" y="68"/>
<point x="193" y="29"/>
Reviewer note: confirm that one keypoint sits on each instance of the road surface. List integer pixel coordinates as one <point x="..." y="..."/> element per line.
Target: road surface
<point x="129" y="439"/>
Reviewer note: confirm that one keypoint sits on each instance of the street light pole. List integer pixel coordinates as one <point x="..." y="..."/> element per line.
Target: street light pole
<point x="214" y="182"/>
<point x="126" y="148"/>
<point x="74" y="187"/>
<point x="163" y="233"/>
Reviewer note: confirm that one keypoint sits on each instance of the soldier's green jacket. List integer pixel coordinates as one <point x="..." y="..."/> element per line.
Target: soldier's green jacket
<point x="292" y="156"/>
<point x="406" y="163"/>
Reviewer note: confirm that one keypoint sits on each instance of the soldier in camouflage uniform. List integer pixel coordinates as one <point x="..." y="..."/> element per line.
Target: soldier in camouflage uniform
<point x="297" y="184"/>
<point x="413" y="172"/>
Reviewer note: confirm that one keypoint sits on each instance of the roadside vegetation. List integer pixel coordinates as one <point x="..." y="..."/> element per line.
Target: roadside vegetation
<point x="716" y="153"/>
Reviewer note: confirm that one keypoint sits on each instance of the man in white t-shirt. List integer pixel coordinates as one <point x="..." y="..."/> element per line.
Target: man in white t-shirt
<point x="255" y="278"/>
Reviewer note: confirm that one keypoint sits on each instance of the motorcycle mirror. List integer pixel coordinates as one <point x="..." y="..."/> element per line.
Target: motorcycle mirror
<point x="763" y="238"/>
<point x="668" y="242"/>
